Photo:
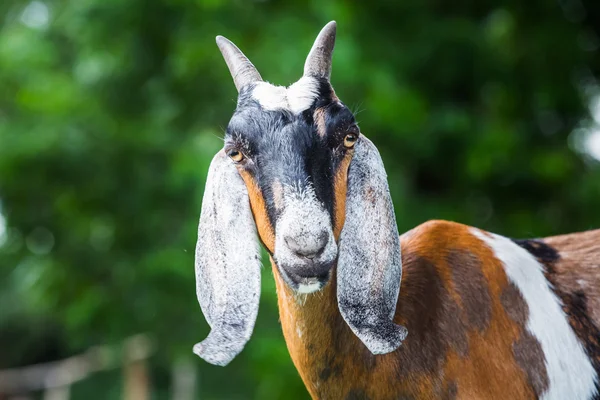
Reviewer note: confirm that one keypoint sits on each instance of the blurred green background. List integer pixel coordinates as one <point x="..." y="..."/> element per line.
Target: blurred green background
<point x="485" y="113"/>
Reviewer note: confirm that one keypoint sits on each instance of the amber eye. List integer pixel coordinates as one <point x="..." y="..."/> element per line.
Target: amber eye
<point x="235" y="155"/>
<point x="350" y="139"/>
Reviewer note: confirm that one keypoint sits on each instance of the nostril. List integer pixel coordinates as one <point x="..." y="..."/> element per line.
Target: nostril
<point x="307" y="247"/>
<point x="291" y="243"/>
<point x="322" y="239"/>
<point x="321" y="243"/>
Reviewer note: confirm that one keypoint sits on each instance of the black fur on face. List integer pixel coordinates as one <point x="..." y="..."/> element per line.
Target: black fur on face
<point x="282" y="149"/>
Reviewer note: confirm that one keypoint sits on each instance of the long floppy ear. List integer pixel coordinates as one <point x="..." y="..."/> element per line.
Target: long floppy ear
<point x="227" y="264"/>
<point x="369" y="263"/>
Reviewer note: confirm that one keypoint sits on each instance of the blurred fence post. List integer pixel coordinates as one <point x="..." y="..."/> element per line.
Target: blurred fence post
<point x="58" y="393"/>
<point x="137" y="382"/>
<point x="183" y="380"/>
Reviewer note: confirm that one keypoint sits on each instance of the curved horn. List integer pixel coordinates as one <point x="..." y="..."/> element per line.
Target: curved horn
<point x="318" y="62"/>
<point x="242" y="70"/>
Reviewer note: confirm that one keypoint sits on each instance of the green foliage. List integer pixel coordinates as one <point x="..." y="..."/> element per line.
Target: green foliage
<point x="111" y="110"/>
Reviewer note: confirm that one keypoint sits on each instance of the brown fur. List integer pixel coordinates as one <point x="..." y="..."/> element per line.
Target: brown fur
<point x="527" y="350"/>
<point x="530" y="356"/>
<point x="449" y="352"/>
<point x="578" y="269"/>
<point x="572" y="264"/>
<point x="340" y="187"/>
<point x="514" y="304"/>
<point x="259" y="210"/>
<point x="473" y="291"/>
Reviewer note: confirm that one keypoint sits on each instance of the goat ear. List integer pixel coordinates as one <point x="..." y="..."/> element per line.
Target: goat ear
<point x="369" y="263"/>
<point x="227" y="264"/>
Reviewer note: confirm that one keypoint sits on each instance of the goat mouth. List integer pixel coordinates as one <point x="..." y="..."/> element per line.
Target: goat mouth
<point x="304" y="283"/>
<point x="307" y="285"/>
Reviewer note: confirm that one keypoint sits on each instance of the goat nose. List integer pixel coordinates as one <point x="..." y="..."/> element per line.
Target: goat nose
<point x="307" y="246"/>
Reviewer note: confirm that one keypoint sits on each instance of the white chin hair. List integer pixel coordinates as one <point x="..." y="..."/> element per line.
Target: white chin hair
<point x="306" y="288"/>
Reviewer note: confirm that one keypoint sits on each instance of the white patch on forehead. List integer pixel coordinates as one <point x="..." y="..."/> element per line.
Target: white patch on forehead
<point x="569" y="369"/>
<point x="296" y="98"/>
<point x="269" y="96"/>
<point x="302" y="94"/>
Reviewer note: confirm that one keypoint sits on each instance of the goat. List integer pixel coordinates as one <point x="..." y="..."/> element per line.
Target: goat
<point x="480" y="316"/>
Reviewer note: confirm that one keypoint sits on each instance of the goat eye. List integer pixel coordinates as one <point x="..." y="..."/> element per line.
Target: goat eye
<point x="235" y="155"/>
<point x="350" y="140"/>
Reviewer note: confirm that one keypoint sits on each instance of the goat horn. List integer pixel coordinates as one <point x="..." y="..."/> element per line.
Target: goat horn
<point x="242" y="70"/>
<point x="318" y="62"/>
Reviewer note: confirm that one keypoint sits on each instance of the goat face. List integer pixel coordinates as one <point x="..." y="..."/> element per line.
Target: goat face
<point x="292" y="147"/>
<point x="296" y="170"/>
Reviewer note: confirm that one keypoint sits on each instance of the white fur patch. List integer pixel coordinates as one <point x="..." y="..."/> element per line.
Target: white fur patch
<point x="308" y="288"/>
<point x="570" y="371"/>
<point x="296" y="98"/>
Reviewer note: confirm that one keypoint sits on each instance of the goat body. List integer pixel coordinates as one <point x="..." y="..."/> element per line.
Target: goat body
<point x="488" y="318"/>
